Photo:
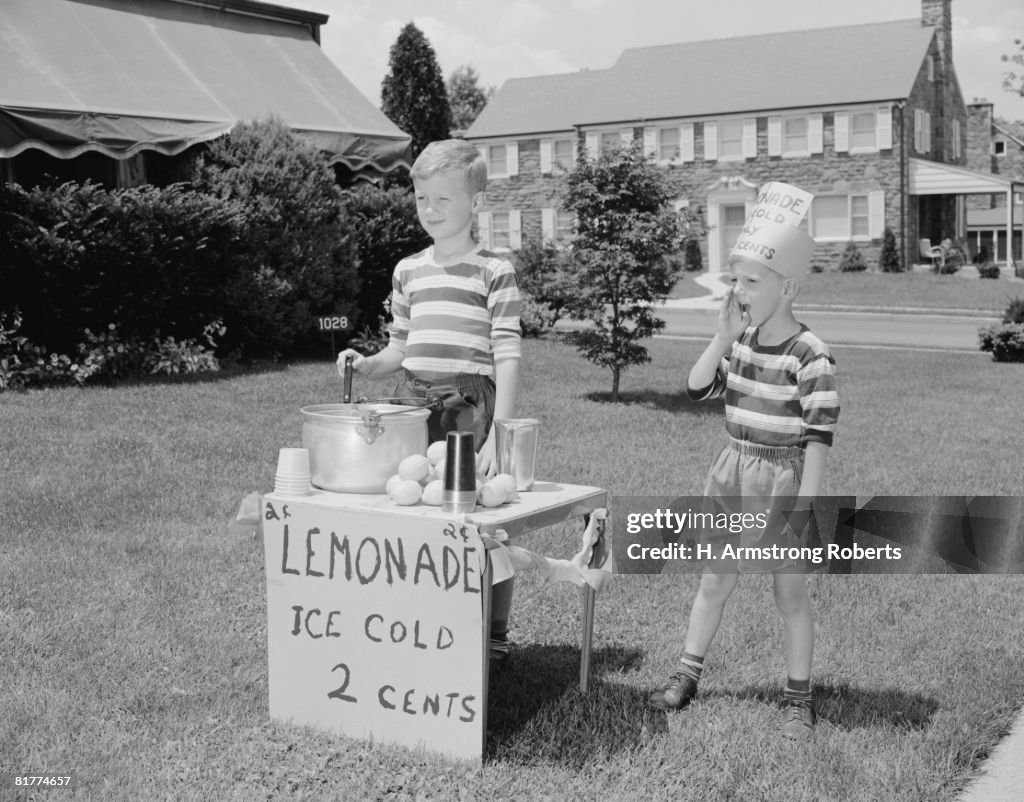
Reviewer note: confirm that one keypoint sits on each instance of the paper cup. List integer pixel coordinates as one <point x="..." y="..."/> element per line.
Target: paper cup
<point x="293" y="461"/>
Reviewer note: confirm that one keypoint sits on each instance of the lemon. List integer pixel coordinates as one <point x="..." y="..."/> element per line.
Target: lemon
<point x="507" y="481"/>
<point x="491" y="495"/>
<point x="414" y="467"/>
<point x="433" y="493"/>
<point x="437" y="452"/>
<point x="389" y="488"/>
<point x="439" y="469"/>
<point x="407" y="492"/>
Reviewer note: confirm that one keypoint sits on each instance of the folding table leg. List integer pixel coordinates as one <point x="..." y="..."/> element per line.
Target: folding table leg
<point x="589" y="598"/>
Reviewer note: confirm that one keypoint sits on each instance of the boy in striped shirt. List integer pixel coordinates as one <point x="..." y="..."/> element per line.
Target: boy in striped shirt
<point x="455" y="322"/>
<point x="781" y="408"/>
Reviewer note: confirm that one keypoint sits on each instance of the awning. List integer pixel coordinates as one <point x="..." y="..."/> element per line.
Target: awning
<point x="121" y="76"/>
<point x="936" y="178"/>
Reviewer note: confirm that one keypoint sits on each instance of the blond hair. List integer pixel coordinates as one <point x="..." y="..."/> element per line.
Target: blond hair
<point x="453" y="155"/>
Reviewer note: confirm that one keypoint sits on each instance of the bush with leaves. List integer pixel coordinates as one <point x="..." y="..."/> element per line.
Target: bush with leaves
<point x="625" y="227"/>
<point x="1005" y="340"/>
<point x="299" y="253"/>
<point x="385" y="229"/>
<point x="889" y="258"/>
<point x="852" y="260"/>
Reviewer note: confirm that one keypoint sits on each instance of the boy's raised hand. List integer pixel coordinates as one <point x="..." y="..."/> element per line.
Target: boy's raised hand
<point x="732" y="320"/>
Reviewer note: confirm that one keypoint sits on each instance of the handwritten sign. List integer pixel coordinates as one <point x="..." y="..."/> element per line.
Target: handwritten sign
<point x="375" y="626"/>
<point x="770" y="233"/>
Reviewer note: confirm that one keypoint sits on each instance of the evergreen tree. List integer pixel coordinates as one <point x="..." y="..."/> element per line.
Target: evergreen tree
<point x="413" y="94"/>
<point x="465" y="96"/>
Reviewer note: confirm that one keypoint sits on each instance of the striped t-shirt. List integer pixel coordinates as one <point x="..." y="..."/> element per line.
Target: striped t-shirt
<point x="777" y="395"/>
<point x="453" y="319"/>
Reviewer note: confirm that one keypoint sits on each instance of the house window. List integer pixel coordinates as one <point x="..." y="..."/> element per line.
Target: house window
<point x="730" y="139"/>
<point x="501" y="232"/>
<point x="668" y="144"/>
<point x="565" y="153"/>
<point x="999" y="148"/>
<point x="564" y="225"/>
<point x="502" y="159"/>
<point x="863" y="129"/>
<point x="840" y="217"/>
<point x="922" y="131"/>
<point x="610" y="140"/>
<point x="794" y="136"/>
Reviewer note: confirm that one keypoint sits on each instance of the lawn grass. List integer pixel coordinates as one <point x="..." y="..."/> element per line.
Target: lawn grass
<point x="887" y="290"/>
<point x="133" y="625"/>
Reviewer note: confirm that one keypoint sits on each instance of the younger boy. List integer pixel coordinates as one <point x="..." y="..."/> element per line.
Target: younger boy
<point x="455" y="329"/>
<point x="781" y="409"/>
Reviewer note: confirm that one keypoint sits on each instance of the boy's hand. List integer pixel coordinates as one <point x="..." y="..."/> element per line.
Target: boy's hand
<point x="732" y="320"/>
<point x="486" y="460"/>
<point x="358" y="361"/>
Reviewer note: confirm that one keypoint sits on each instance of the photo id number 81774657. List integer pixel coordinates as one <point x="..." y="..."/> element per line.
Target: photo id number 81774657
<point x="40" y="780"/>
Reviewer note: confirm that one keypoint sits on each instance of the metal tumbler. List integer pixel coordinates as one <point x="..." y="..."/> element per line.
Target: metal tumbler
<point x="459" y="495"/>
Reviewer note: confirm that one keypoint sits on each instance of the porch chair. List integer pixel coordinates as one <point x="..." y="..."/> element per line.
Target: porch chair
<point x="931" y="252"/>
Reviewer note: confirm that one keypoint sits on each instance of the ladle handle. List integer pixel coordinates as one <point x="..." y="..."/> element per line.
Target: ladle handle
<point x="347" y="391"/>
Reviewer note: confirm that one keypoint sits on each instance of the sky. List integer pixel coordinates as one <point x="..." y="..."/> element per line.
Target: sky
<point x="504" y="39"/>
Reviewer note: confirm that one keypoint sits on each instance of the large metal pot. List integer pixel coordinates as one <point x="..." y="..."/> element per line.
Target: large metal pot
<point x="356" y="448"/>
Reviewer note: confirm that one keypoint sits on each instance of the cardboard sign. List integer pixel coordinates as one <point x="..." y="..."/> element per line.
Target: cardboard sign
<point x="375" y="625"/>
<point x="770" y="233"/>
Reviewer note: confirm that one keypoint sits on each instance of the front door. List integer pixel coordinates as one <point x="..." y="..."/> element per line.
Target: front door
<point x="731" y="217"/>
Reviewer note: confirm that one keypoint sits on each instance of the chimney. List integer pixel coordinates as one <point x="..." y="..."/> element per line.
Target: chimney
<point x="939" y="14"/>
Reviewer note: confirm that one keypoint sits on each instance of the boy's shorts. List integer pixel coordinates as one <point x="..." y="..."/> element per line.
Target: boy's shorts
<point x="747" y="478"/>
<point x="467" y="403"/>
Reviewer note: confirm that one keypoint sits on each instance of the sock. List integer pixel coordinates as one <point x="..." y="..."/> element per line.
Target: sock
<point x="499" y="631"/>
<point x="797" y="690"/>
<point x="691" y="666"/>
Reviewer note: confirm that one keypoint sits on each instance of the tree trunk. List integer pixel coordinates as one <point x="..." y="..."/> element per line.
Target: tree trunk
<point x="615" y="385"/>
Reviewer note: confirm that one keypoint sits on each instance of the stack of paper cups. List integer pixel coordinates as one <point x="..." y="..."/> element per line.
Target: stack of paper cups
<point x="293" y="475"/>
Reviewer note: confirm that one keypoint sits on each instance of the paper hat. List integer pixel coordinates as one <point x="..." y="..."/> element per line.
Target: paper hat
<point x="770" y="234"/>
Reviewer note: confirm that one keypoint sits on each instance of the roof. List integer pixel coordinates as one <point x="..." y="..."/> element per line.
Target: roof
<point x="938" y="178"/>
<point x="121" y="76"/>
<point x="876" y="62"/>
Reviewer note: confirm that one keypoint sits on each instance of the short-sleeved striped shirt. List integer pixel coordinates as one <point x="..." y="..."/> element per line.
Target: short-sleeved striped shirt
<point x="779" y="395"/>
<point x="460" y="318"/>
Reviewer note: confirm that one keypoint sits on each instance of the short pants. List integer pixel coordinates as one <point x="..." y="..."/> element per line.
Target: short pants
<point x="750" y="478"/>
<point x="467" y="403"/>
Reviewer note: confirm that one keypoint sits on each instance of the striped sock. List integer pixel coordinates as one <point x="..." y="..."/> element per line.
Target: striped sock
<point x="691" y="665"/>
<point x="797" y="690"/>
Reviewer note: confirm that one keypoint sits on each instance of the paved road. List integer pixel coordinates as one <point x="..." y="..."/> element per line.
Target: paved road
<point x="945" y="332"/>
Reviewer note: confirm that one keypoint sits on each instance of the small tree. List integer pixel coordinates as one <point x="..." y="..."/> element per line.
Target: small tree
<point x="465" y="96"/>
<point x="889" y="258"/>
<point x="413" y="94"/>
<point x="625" y="229"/>
<point x="1013" y="81"/>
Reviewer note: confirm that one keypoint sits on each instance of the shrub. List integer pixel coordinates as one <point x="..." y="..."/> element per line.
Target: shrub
<point x="693" y="256"/>
<point x="852" y="260"/>
<point x="385" y="229"/>
<point x="76" y="257"/>
<point x="1014" y="312"/>
<point x="889" y="258"/>
<point x="536" y="317"/>
<point x="544" y="273"/>
<point x="301" y="257"/>
<point x="988" y="270"/>
<point x="1004" y="340"/>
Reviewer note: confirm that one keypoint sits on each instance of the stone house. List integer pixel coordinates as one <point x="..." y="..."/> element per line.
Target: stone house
<point x="870" y="118"/>
<point x="995" y="148"/>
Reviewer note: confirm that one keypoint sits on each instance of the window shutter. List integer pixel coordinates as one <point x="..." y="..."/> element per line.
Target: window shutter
<point x="842" y="131"/>
<point x="626" y="137"/>
<point x="750" y="138"/>
<point x="927" y="132"/>
<point x="774" y="136"/>
<point x="483" y="229"/>
<point x="512" y="158"/>
<point x="876" y="214"/>
<point x="686" y="142"/>
<point x="710" y="141"/>
<point x="547" y="150"/>
<point x="548" y="229"/>
<point x="815" y="139"/>
<point x="918" y="136"/>
<point x="957" y="148"/>
<point x="883" y="119"/>
<point x="483" y="153"/>
<point x="515" y="230"/>
<point x="651" y="141"/>
<point x="593" y="144"/>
